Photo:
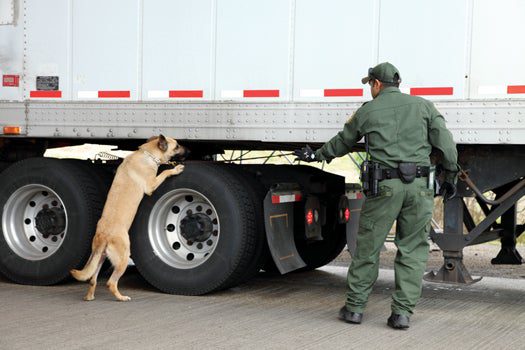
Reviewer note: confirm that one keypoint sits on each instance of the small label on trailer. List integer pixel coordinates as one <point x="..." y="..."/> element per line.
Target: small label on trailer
<point x="47" y="83"/>
<point x="10" y="80"/>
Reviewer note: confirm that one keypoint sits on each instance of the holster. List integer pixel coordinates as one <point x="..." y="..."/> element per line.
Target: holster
<point x="407" y="172"/>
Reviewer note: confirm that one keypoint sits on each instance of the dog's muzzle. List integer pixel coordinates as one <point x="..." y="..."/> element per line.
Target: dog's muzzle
<point x="182" y="156"/>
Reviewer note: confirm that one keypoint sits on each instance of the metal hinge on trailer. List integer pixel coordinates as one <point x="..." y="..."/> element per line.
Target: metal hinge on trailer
<point x="355" y="199"/>
<point x="279" y="225"/>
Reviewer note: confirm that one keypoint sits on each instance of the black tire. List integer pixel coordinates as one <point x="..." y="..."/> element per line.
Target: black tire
<point x="257" y="192"/>
<point x="233" y="253"/>
<point x="81" y="198"/>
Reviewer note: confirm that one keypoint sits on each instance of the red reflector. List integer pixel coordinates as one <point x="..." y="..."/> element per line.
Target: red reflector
<point x="347" y="214"/>
<point x="310" y="217"/>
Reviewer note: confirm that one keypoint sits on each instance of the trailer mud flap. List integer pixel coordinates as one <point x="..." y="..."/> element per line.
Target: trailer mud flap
<point x="355" y="201"/>
<point x="279" y="224"/>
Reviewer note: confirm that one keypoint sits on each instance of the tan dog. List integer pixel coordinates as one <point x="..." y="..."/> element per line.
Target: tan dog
<point x="136" y="176"/>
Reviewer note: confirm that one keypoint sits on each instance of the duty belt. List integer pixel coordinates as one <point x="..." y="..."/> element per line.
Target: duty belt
<point x="392" y="173"/>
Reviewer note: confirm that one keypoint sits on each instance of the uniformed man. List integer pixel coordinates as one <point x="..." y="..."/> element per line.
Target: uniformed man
<point x="400" y="131"/>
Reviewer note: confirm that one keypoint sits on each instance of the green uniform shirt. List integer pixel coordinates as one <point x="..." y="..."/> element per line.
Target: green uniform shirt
<point x="400" y="128"/>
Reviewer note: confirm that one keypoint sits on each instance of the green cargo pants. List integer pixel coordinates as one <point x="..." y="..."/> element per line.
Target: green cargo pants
<point x="411" y="205"/>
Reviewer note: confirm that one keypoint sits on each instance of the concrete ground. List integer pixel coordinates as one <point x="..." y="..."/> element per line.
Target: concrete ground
<point x="297" y="311"/>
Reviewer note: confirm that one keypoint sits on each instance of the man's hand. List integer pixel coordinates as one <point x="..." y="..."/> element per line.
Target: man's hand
<point x="447" y="190"/>
<point x="305" y="154"/>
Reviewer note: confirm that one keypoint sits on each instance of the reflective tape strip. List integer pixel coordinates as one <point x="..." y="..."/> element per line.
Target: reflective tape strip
<point x="186" y="93"/>
<point x="261" y="93"/>
<point x="249" y="93"/>
<point x="342" y="92"/>
<point x="104" y="94"/>
<point x="87" y="94"/>
<point x="231" y="93"/>
<point x="114" y="94"/>
<point x="311" y="92"/>
<point x="492" y="90"/>
<point x="516" y="89"/>
<point x="45" y="94"/>
<point x="175" y="94"/>
<point x="158" y="94"/>
<point x="330" y="92"/>
<point x="422" y="91"/>
<point x="286" y="198"/>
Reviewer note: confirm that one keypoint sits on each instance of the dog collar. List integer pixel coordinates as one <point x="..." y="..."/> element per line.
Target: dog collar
<point x="155" y="159"/>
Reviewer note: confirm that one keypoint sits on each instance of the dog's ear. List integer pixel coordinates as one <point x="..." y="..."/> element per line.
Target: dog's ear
<point x="163" y="143"/>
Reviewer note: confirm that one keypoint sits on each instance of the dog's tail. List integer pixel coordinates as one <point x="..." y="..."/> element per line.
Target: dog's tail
<point x="91" y="267"/>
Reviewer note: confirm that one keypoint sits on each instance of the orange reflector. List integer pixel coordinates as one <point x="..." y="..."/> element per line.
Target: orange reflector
<point x="11" y="130"/>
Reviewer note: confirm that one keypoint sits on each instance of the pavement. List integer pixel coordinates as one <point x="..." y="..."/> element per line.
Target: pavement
<point x="295" y="311"/>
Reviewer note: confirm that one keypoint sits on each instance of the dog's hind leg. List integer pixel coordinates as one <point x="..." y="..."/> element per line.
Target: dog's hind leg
<point x="119" y="258"/>
<point x="93" y="281"/>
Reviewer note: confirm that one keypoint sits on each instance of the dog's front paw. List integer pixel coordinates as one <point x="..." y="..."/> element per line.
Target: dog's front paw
<point x="123" y="298"/>
<point x="178" y="169"/>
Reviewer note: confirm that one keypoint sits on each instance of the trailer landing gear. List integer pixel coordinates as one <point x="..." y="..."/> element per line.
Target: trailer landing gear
<point x="452" y="271"/>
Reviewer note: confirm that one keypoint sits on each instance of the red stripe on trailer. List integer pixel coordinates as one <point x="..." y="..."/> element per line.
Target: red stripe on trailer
<point x="342" y="92"/>
<point x="516" y="89"/>
<point x="432" y="91"/>
<point x="186" y="93"/>
<point x="114" y="94"/>
<point x="261" y="93"/>
<point x="45" y="94"/>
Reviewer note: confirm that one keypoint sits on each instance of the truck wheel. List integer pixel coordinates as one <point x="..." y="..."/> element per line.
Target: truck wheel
<point x="196" y="233"/>
<point x="49" y="216"/>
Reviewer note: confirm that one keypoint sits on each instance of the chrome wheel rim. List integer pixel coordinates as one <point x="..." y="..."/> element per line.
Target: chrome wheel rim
<point x="169" y="223"/>
<point x="34" y="222"/>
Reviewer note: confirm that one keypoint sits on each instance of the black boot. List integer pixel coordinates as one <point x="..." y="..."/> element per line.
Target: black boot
<point x="397" y="321"/>
<point x="349" y="316"/>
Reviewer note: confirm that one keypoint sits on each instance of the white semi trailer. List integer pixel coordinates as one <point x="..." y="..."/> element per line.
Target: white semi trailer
<point x="242" y="74"/>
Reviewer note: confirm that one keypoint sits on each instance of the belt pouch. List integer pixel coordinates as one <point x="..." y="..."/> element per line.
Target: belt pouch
<point x="407" y="172"/>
